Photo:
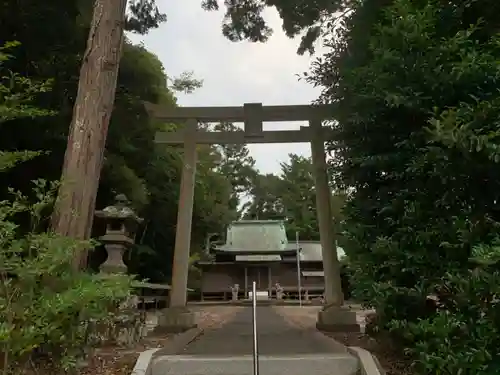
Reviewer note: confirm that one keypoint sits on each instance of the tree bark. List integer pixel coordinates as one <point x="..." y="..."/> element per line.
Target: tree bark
<point x="74" y="209"/>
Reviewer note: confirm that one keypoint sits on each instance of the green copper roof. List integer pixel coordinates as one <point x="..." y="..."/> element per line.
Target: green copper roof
<point x="256" y="236"/>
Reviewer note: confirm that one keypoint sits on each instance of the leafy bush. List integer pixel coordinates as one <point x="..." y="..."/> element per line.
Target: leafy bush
<point x="345" y="278"/>
<point x="415" y="84"/>
<point x="48" y="311"/>
<point x="463" y="336"/>
<point x="16" y="93"/>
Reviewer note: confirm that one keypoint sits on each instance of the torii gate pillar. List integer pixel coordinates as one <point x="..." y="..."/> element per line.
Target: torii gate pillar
<point x="333" y="317"/>
<point x="177" y="317"/>
<point x="178" y="294"/>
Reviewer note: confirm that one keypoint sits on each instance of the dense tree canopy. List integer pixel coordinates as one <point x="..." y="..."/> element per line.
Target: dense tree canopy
<point x="236" y="165"/>
<point x="415" y="90"/>
<point x="148" y="174"/>
<point x="264" y="200"/>
<point x="415" y="85"/>
<point x="290" y="195"/>
<point x="244" y="19"/>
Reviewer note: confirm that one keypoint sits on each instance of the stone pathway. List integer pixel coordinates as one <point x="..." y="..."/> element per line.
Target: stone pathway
<point x="275" y="337"/>
<point x="284" y="348"/>
<point x="306" y="316"/>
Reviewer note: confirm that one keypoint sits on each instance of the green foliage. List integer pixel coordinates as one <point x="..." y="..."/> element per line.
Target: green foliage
<point x="16" y="93"/>
<point x="186" y="83"/>
<point x="48" y="311"/>
<point x="264" y="199"/>
<point x="416" y="90"/>
<point x="236" y="165"/>
<point x="147" y="173"/>
<point x="144" y="16"/>
<point x="244" y="19"/>
<point x="299" y="197"/>
<point x="291" y="195"/>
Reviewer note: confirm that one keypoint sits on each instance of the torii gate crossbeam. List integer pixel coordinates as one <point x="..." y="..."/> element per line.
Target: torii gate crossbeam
<point x="253" y="115"/>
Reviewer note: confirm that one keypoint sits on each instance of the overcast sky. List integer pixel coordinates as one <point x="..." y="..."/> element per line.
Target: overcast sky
<point x="233" y="73"/>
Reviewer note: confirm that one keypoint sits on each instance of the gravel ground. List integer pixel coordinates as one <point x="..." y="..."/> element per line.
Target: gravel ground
<point x="120" y="361"/>
<point x="215" y="316"/>
<point x="306" y="317"/>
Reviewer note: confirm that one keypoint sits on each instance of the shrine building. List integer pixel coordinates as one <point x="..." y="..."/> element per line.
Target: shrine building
<point x="258" y="250"/>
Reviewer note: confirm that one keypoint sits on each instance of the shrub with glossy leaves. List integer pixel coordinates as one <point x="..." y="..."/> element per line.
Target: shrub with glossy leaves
<point x="415" y="85"/>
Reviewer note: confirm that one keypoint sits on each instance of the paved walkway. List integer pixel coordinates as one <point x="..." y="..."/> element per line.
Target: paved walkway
<point x="276" y="337"/>
<point x="283" y="349"/>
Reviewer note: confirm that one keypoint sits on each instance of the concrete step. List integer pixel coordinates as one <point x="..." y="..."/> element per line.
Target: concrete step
<point x="324" y="364"/>
<point x="262" y="302"/>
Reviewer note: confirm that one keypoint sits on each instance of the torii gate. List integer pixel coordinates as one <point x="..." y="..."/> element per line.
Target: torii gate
<point x="252" y="115"/>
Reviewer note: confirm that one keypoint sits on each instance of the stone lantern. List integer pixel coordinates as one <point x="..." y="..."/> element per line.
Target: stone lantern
<point x="121" y="227"/>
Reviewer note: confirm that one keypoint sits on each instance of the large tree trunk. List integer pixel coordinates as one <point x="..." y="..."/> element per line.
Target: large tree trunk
<point x="74" y="210"/>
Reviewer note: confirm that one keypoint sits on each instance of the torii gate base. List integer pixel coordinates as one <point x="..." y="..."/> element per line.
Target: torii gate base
<point x="333" y="317"/>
